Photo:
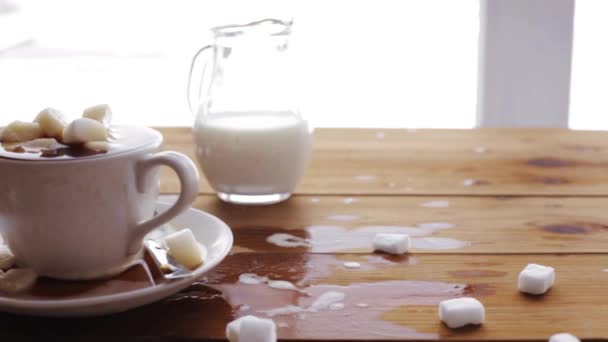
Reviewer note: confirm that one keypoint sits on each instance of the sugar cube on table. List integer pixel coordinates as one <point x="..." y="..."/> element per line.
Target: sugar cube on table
<point x="563" y="337"/>
<point x="251" y="329"/>
<point x="536" y="279"/>
<point x="458" y="312"/>
<point x="391" y="243"/>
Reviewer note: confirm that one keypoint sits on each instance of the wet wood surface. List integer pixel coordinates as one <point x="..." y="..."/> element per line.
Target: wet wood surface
<point x="444" y="162"/>
<point x="533" y="196"/>
<point x="461" y="224"/>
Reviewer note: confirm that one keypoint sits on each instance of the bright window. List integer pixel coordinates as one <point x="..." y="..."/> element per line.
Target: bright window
<point x="369" y="63"/>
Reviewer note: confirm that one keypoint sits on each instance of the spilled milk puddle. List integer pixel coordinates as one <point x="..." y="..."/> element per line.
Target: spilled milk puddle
<point x="293" y="290"/>
<point x="327" y="239"/>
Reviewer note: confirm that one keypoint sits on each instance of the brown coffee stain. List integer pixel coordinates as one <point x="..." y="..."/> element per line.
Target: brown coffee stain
<point x="15" y="150"/>
<point x="202" y="310"/>
<point x="550" y="162"/>
<point x="135" y="278"/>
<point x="476" y="273"/>
<point x="377" y="297"/>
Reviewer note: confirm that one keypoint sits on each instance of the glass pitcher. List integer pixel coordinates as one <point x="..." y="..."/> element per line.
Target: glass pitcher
<point x="252" y="143"/>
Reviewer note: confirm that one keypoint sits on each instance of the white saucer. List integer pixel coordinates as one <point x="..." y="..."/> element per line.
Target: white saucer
<point x="208" y="230"/>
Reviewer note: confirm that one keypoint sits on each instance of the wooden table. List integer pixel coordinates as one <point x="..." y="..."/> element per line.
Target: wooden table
<point x="482" y="204"/>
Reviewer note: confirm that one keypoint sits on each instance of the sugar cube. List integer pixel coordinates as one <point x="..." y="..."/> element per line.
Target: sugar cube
<point x="391" y="243"/>
<point x="563" y="337"/>
<point x="185" y="249"/>
<point x="251" y="329"/>
<point x="458" y="312"/>
<point x="536" y="279"/>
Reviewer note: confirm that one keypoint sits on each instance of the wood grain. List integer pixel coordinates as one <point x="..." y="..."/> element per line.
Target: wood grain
<point x="512" y="161"/>
<point x="485" y="224"/>
<point x="401" y="294"/>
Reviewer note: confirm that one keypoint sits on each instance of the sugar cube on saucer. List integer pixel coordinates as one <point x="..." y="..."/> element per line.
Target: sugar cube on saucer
<point x="563" y="337"/>
<point x="18" y="131"/>
<point x="391" y="243"/>
<point x="52" y="123"/>
<point x="184" y="248"/>
<point x="17" y="280"/>
<point x="251" y="329"/>
<point x="536" y="279"/>
<point x="458" y="312"/>
<point x="7" y="260"/>
<point x="101" y="113"/>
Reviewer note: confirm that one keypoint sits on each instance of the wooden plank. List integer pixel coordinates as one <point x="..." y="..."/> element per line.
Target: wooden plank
<point x="474" y="162"/>
<point x="401" y="295"/>
<point x="466" y="225"/>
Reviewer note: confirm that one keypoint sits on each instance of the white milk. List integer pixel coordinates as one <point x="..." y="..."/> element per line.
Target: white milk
<point x="253" y="153"/>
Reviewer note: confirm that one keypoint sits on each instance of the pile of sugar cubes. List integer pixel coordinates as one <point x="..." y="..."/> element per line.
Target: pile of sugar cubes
<point x="50" y="130"/>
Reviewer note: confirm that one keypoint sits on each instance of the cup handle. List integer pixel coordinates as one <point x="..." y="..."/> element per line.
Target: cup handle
<point x="189" y="181"/>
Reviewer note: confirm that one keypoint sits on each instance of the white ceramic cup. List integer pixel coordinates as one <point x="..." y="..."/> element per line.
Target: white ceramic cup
<point x="86" y="217"/>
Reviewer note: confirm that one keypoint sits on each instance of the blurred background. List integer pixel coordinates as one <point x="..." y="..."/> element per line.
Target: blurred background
<point x="365" y="63"/>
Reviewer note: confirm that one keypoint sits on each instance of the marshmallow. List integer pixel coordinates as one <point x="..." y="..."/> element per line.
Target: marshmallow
<point x="392" y="243"/>
<point x="458" y="312"/>
<point x="17" y="280"/>
<point x="18" y="131"/>
<point x="251" y="329"/>
<point x="7" y="260"/>
<point x="536" y="279"/>
<point x="101" y="113"/>
<point x="52" y="123"/>
<point x="84" y="130"/>
<point x="184" y="248"/>
<point x="563" y="337"/>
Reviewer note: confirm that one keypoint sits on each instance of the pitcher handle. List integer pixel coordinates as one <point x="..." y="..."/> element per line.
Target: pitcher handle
<point x="192" y="65"/>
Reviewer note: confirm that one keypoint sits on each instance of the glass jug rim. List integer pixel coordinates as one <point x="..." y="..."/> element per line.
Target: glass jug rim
<point x="268" y="26"/>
